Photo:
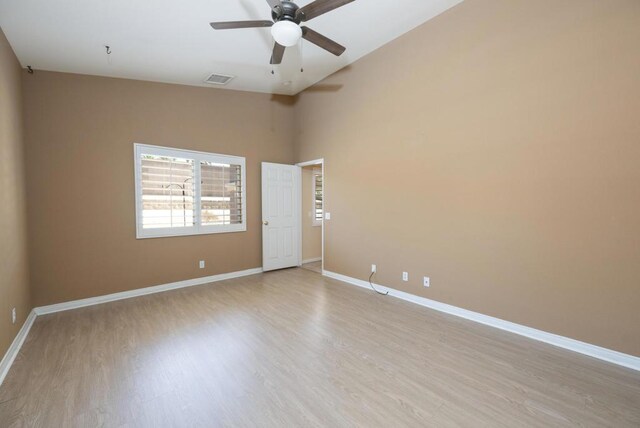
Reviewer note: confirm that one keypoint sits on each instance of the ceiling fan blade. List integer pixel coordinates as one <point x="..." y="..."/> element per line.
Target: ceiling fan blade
<point x="322" y="41"/>
<point x="273" y="3"/>
<point x="231" y="25"/>
<point x="319" y="7"/>
<point x="278" y="53"/>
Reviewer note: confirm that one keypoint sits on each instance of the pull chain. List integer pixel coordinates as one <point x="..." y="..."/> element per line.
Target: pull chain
<point x="301" y="56"/>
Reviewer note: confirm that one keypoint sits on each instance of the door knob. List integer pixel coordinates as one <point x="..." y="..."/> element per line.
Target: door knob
<point x="266" y="223"/>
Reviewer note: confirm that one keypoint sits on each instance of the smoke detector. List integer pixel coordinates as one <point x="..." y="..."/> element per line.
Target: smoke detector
<point x="218" y="79"/>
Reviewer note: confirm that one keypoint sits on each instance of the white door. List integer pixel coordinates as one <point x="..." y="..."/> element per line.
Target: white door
<point x="281" y="212"/>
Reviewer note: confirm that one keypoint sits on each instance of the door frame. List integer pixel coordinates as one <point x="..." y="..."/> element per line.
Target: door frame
<point x="324" y="198"/>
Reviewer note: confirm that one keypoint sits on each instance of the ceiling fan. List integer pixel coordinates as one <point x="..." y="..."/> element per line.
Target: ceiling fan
<point x="285" y="25"/>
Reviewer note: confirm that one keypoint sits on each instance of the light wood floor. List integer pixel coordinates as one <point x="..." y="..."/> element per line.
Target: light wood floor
<point x="291" y="348"/>
<point x="313" y="266"/>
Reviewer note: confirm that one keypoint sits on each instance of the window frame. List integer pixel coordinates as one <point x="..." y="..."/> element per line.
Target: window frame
<point x="314" y="221"/>
<point x="198" y="157"/>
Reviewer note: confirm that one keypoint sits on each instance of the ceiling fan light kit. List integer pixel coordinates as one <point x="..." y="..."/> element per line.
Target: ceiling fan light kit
<point x="286" y="29"/>
<point x="286" y="33"/>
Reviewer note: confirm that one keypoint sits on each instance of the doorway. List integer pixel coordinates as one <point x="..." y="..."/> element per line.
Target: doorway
<point x="312" y="215"/>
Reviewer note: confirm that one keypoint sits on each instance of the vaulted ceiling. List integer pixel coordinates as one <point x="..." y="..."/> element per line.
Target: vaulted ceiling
<point x="171" y="41"/>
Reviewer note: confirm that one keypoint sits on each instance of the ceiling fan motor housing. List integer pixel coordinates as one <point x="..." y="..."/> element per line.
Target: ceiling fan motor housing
<point x="286" y="11"/>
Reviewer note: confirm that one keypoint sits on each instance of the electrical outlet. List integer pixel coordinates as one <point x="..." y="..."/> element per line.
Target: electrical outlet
<point x="427" y="283"/>
<point x="405" y="276"/>
<point x="13" y="316"/>
<point x="201" y="264"/>
<point x="374" y="268"/>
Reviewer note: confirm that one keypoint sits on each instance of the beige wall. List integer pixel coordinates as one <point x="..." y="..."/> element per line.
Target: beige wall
<point x="311" y="235"/>
<point x="495" y="149"/>
<point x="80" y="132"/>
<point x="14" y="280"/>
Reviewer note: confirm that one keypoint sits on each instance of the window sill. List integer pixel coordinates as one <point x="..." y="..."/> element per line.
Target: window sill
<point x="151" y="233"/>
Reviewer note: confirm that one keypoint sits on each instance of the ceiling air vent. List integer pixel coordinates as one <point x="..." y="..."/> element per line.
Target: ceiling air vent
<point x="218" y="79"/>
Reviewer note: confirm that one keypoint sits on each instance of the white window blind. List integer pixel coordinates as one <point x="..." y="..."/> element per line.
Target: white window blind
<point x="317" y="198"/>
<point x="221" y="193"/>
<point x="182" y="192"/>
<point x="167" y="191"/>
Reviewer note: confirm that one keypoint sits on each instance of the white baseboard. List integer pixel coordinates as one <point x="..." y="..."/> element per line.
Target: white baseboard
<point x="316" y="259"/>
<point x="605" y="354"/>
<point x="65" y="306"/>
<point x="13" y="350"/>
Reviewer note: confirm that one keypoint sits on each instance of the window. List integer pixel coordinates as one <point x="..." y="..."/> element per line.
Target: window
<point x="317" y="197"/>
<point x="182" y="192"/>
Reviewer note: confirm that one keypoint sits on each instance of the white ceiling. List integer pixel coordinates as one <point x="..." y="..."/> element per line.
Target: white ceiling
<point x="171" y="40"/>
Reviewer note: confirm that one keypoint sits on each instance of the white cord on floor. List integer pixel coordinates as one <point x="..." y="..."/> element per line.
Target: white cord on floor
<point x="374" y="288"/>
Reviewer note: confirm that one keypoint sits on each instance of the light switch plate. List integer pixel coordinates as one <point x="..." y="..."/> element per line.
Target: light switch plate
<point x="327" y="216"/>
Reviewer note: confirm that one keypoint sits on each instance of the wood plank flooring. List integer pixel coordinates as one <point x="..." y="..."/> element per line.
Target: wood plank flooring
<point x="313" y="266"/>
<point x="292" y="348"/>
